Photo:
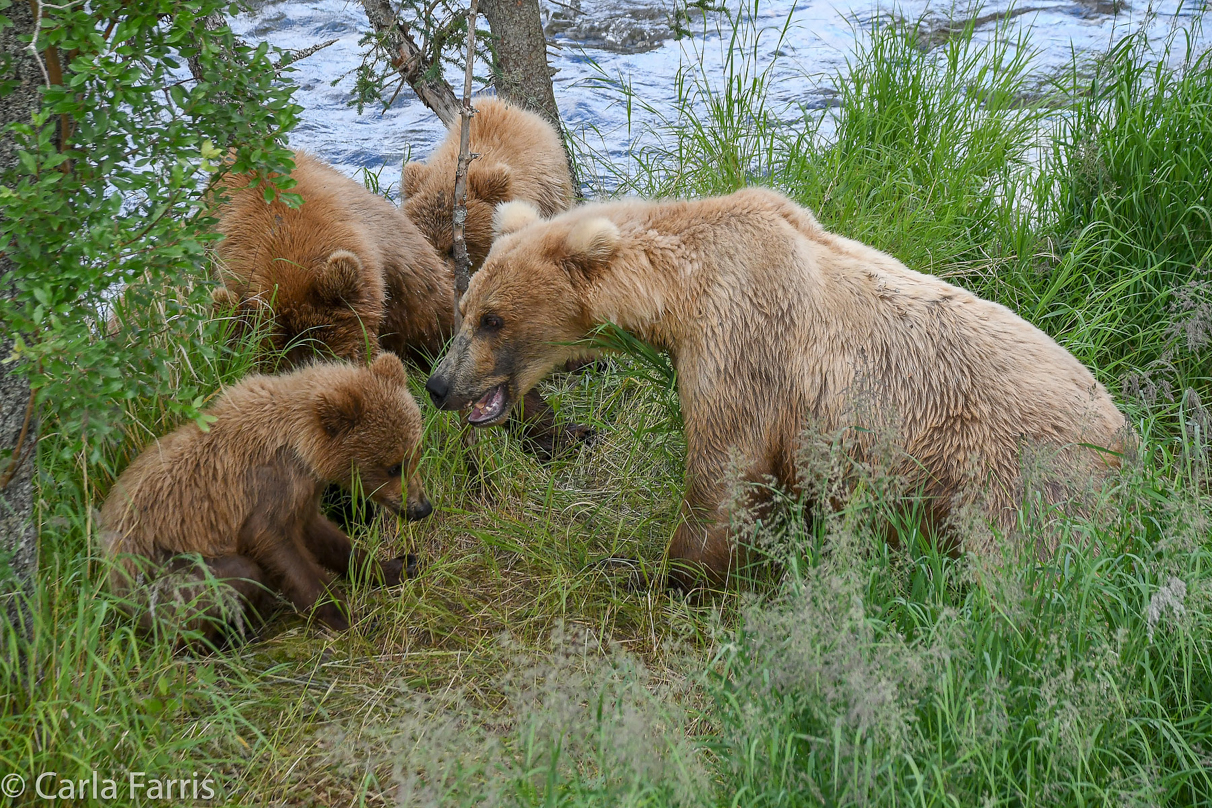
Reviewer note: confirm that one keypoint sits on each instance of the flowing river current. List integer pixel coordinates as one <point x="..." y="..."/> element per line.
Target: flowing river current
<point x="600" y="46"/>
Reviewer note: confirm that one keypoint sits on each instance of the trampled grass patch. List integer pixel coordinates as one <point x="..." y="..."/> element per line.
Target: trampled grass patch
<point x="522" y="667"/>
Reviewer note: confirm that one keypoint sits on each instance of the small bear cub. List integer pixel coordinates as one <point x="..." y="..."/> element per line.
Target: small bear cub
<point x="244" y="495"/>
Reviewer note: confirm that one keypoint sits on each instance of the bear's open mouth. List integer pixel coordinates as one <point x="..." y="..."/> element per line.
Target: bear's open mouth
<point x="490" y="407"/>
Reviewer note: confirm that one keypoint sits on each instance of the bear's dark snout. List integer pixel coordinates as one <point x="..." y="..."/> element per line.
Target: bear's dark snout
<point x="419" y="510"/>
<point x="439" y="389"/>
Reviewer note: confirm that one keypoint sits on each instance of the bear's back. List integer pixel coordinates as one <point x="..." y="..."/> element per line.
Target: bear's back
<point x="933" y="346"/>
<point x="189" y="491"/>
<point x="832" y="330"/>
<point x="950" y="338"/>
<point x="176" y="497"/>
<point x="502" y="133"/>
<point x="265" y="244"/>
<point x="965" y="384"/>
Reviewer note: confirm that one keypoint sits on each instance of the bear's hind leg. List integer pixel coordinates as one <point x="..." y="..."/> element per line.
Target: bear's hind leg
<point x="183" y="596"/>
<point x="246" y="577"/>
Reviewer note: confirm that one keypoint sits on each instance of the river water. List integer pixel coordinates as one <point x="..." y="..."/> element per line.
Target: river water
<point x="599" y="46"/>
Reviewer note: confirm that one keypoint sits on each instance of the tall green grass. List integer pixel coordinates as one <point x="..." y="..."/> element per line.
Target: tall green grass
<point x="711" y="139"/>
<point x="519" y="669"/>
<point x="907" y="677"/>
<point x="1125" y="198"/>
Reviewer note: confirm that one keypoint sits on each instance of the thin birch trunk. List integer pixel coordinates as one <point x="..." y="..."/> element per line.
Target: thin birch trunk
<point x="462" y="259"/>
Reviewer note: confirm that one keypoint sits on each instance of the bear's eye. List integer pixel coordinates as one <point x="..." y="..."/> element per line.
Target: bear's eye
<point x="396" y="470"/>
<point x="491" y="322"/>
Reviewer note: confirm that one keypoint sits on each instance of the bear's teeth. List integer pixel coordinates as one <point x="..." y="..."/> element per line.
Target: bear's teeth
<point x="489" y="407"/>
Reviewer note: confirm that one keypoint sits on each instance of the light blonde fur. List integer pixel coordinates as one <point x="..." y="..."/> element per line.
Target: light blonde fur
<point x="511" y="216"/>
<point x="773" y="324"/>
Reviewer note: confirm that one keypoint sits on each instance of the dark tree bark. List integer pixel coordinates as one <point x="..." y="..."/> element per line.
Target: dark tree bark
<point x="520" y="68"/>
<point x="406" y="57"/>
<point x="18" y="427"/>
<point x="523" y="75"/>
<point x="209" y="24"/>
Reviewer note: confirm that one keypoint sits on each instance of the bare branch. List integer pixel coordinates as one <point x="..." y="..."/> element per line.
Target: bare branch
<point x="33" y="42"/>
<point x="215" y="21"/>
<point x="462" y="259"/>
<point x="408" y="60"/>
<point x="299" y="55"/>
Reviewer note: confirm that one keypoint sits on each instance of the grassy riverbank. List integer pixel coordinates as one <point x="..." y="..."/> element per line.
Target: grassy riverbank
<point x="516" y="670"/>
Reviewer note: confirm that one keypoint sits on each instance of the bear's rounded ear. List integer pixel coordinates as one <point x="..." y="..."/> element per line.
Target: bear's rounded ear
<point x="511" y="217"/>
<point x="414" y="175"/>
<point x="339" y="411"/>
<point x="589" y="246"/>
<point x="388" y="366"/>
<point x="341" y="278"/>
<point x="489" y="184"/>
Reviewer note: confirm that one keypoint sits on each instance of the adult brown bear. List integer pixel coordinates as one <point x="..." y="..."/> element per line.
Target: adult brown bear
<point x="774" y="323"/>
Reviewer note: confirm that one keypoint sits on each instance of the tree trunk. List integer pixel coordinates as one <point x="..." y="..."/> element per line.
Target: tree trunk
<point x="18" y="429"/>
<point x="212" y="22"/>
<point x="523" y="76"/>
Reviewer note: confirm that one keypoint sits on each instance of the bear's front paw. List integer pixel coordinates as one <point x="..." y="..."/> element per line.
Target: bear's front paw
<point x="412" y="564"/>
<point x="550" y="444"/>
<point x="399" y="568"/>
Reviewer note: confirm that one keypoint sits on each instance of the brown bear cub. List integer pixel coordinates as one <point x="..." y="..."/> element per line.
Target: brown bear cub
<point x="346" y="271"/>
<point x="244" y="495"/>
<point x="521" y="158"/>
<point x="775" y="325"/>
